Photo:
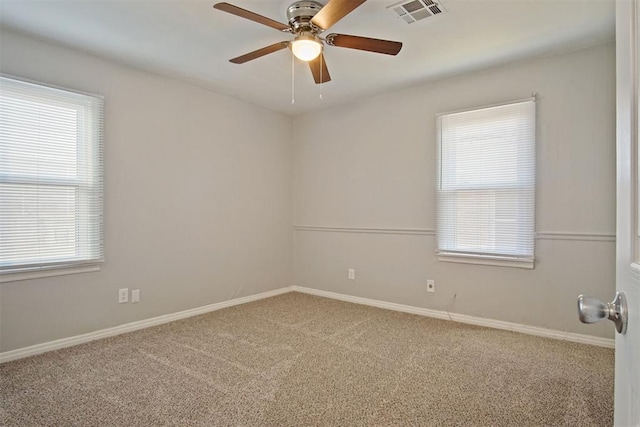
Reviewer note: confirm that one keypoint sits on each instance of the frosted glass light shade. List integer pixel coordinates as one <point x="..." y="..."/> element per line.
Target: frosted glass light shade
<point x="306" y="48"/>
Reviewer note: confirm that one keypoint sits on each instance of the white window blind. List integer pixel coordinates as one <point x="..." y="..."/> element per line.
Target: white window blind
<point x="486" y="183"/>
<point x="51" y="203"/>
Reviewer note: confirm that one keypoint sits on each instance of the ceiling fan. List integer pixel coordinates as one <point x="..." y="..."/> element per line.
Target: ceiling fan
<point x="306" y="21"/>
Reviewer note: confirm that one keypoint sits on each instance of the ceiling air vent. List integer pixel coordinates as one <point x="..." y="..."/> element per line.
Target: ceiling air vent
<point x="416" y="10"/>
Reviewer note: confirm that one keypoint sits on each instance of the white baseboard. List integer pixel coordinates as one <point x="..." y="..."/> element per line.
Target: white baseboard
<point x="133" y="326"/>
<point x="33" y="350"/>
<point x="462" y="318"/>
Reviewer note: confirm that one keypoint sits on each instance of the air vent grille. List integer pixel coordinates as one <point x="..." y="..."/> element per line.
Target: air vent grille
<point x="411" y="11"/>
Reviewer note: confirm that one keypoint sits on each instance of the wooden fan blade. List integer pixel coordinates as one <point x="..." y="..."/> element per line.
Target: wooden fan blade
<point x="260" y="52"/>
<point x="243" y="13"/>
<point x="364" y="43"/>
<point x="334" y="11"/>
<point x="319" y="70"/>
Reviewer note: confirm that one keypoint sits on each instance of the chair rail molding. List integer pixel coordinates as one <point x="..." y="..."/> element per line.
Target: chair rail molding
<point x="540" y="235"/>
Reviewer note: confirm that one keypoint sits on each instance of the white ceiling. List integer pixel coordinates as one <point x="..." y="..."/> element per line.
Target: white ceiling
<point x="190" y="40"/>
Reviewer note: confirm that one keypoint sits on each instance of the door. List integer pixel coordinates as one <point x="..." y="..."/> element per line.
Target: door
<point x="627" y="387"/>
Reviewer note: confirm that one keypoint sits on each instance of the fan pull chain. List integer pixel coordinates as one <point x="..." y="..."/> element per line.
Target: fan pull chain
<point x="321" y="81"/>
<point x="293" y="78"/>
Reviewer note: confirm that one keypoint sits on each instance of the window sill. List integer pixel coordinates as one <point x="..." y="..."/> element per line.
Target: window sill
<point x="49" y="272"/>
<point x="486" y="260"/>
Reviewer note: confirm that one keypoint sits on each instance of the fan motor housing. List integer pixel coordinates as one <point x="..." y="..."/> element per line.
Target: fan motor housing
<point x="300" y="13"/>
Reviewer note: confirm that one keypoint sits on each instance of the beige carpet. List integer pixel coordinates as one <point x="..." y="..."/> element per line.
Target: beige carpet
<point x="299" y="360"/>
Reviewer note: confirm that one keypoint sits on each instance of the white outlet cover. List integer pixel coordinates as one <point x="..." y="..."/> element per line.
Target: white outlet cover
<point x="431" y="286"/>
<point x="135" y="296"/>
<point x="123" y="295"/>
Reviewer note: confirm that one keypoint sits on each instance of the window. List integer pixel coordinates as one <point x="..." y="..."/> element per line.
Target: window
<point x="50" y="180"/>
<point x="486" y="185"/>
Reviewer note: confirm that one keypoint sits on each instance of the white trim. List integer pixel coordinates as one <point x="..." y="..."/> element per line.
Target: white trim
<point x="376" y="230"/>
<point x="541" y="235"/>
<point x="51" y="86"/>
<point x="47" y="272"/>
<point x="564" y="235"/>
<point x="462" y="318"/>
<point x="33" y="350"/>
<point x="486" y="260"/>
<point x="483" y="107"/>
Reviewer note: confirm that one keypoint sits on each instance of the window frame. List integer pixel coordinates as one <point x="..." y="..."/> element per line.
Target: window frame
<point x="92" y="152"/>
<point x="485" y="258"/>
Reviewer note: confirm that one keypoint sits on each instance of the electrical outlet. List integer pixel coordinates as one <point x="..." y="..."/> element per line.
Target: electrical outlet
<point x="123" y="295"/>
<point x="135" y="296"/>
<point x="352" y="274"/>
<point x="431" y="285"/>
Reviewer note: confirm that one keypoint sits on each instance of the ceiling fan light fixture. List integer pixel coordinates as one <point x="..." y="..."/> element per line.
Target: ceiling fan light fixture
<point x="306" y="48"/>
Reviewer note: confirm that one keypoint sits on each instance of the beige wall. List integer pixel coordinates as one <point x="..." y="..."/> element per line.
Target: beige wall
<point x="371" y="164"/>
<point x="197" y="197"/>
